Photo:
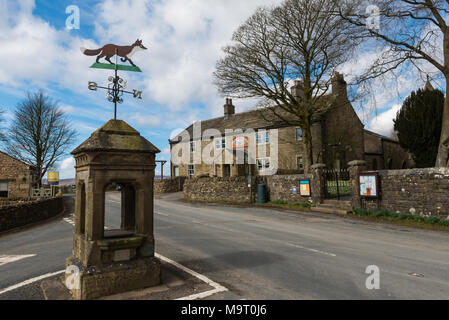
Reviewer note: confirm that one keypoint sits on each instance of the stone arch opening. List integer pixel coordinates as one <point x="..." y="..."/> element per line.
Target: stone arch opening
<point x="119" y="210"/>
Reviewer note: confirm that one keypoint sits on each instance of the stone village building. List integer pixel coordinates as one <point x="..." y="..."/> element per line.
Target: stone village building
<point x="16" y="177"/>
<point x="338" y="137"/>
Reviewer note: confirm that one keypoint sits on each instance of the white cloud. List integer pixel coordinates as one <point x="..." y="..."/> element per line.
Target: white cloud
<point x="383" y="123"/>
<point x="145" y="120"/>
<point x="166" y="151"/>
<point x="67" y="168"/>
<point x="184" y="38"/>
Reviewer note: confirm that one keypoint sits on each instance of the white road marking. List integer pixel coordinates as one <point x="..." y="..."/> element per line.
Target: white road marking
<point x="217" y="287"/>
<point x="312" y="250"/>
<point x="162" y="214"/>
<point x="70" y="221"/>
<point x="30" y="281"/>
<point x="4" y="259"/>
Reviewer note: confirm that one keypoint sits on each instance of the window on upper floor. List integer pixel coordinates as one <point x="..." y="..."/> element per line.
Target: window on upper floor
<point x="263" y="137"/>
<point x="176" y="171"/>
<point x="220" y="143"/>
<point x="192" y="146"/>
<point x="298" y="134"/>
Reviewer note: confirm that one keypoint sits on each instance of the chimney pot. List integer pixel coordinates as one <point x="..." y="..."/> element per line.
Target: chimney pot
<point x="229" y="109"/>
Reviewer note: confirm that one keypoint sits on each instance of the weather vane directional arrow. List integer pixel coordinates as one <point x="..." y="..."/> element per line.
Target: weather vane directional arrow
<point x="117" y="85"/>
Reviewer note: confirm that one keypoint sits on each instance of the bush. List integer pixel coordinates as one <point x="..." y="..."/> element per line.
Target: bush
<point x="304" y="205"/>
<point x="279" y="202"/>
<point x="433" y="220"/>
<point x="402" y="216"/>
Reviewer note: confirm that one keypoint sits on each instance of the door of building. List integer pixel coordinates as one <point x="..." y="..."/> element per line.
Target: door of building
<point x="226" y="170"/>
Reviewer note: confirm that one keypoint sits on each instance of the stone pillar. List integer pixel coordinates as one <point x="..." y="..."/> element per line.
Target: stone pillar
<point x="355" y="168"/>
<point x="114" y="261"/>
<point x="318" y="183"/>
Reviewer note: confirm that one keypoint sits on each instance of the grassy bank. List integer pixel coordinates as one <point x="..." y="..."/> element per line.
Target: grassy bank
<point x="409" y="220"/>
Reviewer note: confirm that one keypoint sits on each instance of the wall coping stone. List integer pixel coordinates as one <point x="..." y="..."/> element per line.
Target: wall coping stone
<point x="318" y="166"/>
<point x="291" y="177"/>
<point x="413" y="172"/>
<point x="355" y="163"/>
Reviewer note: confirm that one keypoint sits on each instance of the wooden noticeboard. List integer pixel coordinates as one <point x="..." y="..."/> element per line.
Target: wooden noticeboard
<point x="304" y="188"/>
<point x="369" y="185"/>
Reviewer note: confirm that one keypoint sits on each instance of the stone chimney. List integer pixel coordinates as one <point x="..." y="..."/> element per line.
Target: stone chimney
<point x="339" y="85"/>
<point x="297" y="90"/>
<point x="229" y="109"/>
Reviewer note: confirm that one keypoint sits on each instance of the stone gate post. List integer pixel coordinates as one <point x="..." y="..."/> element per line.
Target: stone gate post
<point x="318" y="183"/>
<point x="356" y="167"/>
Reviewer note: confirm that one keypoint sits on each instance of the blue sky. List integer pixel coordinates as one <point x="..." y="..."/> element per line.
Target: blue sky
<point x="184" y="38"/>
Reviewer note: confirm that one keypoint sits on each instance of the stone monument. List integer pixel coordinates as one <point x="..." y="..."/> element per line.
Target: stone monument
<point x="106" y="262"/>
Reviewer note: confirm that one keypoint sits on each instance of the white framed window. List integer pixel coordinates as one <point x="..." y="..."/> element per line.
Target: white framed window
<point x="176" y="171"/>
<point x="263" y="138"/>
<point x="3" y="189"/>
<point x="300" y="162"/>
<point x="299" y="134"/>
<point x="192" y="146"/>
<point x="191" y="170"/>
<point x="263" y="164"/>
<point x="220" y="143"/>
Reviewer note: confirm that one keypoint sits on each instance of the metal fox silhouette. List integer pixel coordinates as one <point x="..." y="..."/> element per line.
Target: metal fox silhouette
<point x="109" y="50"/>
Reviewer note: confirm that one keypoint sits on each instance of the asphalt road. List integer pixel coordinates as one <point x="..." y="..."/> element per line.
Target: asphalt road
<point x="262" y="253"/>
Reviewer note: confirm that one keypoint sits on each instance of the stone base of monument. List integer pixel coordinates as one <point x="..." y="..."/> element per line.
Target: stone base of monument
<point x="93" y="282"/>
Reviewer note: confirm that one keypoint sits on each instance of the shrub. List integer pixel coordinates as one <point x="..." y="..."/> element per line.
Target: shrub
<point x="279" y="202"/>
<point x="433" y="220"/>
<point x="304" y="205"/>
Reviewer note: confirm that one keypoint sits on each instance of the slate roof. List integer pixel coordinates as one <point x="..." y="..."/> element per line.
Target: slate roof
<point x="243" y="120"/>
<point x="252" y="120"/>
<point x="22" y="162"/>
<point x="116" y="135"/>
<point x="380" y="136"/>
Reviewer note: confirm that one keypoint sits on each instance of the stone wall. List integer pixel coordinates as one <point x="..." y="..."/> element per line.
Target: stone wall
<point x="169" y="185"/>
<point x="217" y="189"/>
<point x="416" y="191"/>
<point x="235" y="189"/>
<point x="21" y="213"/>
<point x="280" y="187"/>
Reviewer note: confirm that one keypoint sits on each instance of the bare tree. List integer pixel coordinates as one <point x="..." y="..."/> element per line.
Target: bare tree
<point x="2" y="134"/>
<point x="410" y="33"/>
<point x="40" y="134"/>
<point x="298" y="40"/>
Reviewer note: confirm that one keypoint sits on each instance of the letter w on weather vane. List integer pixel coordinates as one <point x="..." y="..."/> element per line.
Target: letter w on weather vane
<point x="116" y="87"/>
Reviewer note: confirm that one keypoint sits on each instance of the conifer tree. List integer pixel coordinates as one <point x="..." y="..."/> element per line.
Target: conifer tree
<point x="418" y="125"/>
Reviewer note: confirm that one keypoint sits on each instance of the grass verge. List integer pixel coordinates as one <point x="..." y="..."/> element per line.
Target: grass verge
<point x="409" y="220"/>
<point x="298" y="206"/>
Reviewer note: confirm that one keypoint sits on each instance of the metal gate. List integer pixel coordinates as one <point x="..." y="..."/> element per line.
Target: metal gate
<point x="337" y="184"/>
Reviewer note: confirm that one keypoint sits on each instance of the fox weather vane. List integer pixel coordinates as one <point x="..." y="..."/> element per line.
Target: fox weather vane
<point x="117" y="85"/>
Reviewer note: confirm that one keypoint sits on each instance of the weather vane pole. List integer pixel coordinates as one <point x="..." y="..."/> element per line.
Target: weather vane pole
<point x="117" y="85"/>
